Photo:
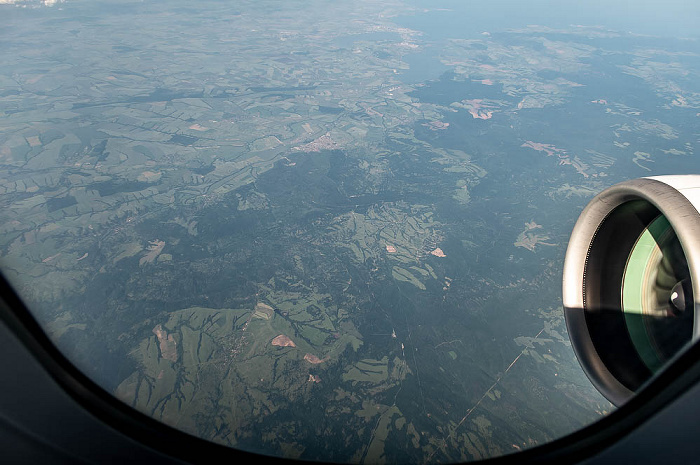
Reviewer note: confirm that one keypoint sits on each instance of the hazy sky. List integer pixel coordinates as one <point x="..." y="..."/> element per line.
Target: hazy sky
<point x="673" y="18"/>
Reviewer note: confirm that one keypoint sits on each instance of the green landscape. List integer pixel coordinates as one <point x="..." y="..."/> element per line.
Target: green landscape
<point x="255" y="225"/>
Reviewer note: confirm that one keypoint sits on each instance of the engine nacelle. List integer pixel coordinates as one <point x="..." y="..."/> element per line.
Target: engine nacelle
<point x="630" y="286"/>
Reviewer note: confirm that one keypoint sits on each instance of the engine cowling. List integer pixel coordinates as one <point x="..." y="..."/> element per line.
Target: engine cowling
<point x="630" y="284"/>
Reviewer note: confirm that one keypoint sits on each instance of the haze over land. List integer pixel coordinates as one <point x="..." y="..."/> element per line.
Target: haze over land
<point x="326" y="232"/>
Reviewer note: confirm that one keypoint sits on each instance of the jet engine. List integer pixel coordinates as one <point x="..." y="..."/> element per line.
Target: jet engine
<point x="631" y="289"/>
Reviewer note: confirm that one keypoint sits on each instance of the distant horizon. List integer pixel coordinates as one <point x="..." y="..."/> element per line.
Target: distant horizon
<point x="672" y="19"/>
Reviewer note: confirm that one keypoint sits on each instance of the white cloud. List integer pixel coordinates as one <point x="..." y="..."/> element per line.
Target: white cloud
<point x="33" y="3"/>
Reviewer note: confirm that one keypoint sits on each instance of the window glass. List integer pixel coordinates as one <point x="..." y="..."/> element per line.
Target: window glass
<point x="329" y="230"/>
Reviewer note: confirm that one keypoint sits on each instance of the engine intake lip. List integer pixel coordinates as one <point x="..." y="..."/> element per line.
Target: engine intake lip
<point x="584" y="270"/>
